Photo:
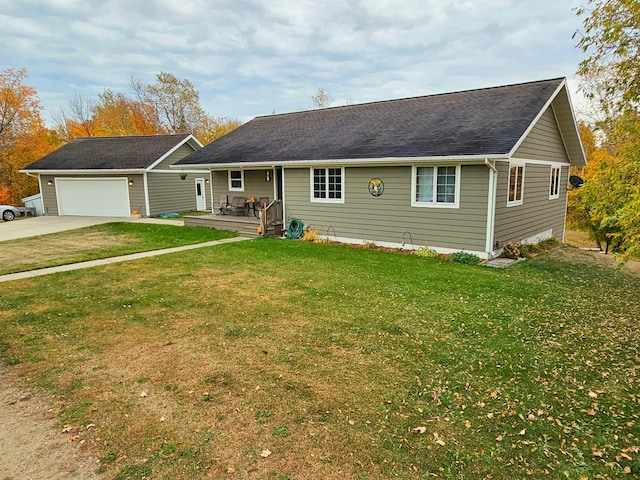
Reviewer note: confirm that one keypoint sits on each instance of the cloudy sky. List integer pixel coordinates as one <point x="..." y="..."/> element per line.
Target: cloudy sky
<point x="252" y="57"/>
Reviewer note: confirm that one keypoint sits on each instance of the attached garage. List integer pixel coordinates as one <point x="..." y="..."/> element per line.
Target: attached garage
<point x="121" y="177"/>
<point x="100" y="197"/>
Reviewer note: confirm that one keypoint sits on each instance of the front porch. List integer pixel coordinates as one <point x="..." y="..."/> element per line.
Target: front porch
<point x="246" y="226"/>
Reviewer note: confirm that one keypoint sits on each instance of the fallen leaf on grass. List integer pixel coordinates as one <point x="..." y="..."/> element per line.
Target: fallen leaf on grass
<point x="67" y="429"/>
<point x="143" y="394"/>
<point x="265" y="453"/>
<point x="591" y="412"/>
<point x="438" y="440"/>
<point x="593" y="394"/>
<point x="420" y="430"/>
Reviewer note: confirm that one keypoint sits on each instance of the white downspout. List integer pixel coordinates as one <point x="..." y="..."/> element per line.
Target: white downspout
<point x="491" y="206"/>
<point x="213" y="203"/>
<point x="145" y="184"/>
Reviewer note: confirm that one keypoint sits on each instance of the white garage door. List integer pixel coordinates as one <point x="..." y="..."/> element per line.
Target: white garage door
<point x="99" y="197"/>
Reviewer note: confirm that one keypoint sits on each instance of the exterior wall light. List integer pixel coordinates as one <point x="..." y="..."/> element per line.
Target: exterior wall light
<point x="49" y="183"/>
<point x="183" y="176"/>
<point x="130" y="183"/>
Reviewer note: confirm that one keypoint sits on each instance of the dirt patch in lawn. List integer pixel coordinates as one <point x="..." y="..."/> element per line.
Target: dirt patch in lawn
<point x="36" y="251"/>
<point x="578" y="239"/>
<point x="32" y="446"/>
<point x="579" y="248"/>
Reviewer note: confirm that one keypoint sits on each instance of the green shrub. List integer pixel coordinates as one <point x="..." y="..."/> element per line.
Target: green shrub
<point x="464" y="257"/>
<point x="426" y="252"/>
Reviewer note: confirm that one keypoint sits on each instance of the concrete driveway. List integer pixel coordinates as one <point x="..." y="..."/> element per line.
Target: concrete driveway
<point x="33" y="226"/>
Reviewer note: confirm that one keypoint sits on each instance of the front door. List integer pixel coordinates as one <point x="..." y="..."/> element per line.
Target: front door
<point x="201" y="201"/>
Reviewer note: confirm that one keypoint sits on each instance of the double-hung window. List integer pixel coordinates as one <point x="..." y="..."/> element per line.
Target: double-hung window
<point x="516" y="184"/>
<point x="554" y="183"/>
<point x="327" y="185"/>
<point x="236" y="180"/>
<point x="437" y="186"/>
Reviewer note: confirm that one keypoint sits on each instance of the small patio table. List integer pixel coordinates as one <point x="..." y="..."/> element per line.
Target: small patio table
<point x="250" y="206"/>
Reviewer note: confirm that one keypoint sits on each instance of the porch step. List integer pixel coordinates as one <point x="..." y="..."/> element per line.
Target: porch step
<point x="245" y="226"/>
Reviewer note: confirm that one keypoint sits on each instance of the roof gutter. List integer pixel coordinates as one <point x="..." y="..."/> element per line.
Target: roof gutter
<point x="388" y="161"/>
<point x="84" y="172"/>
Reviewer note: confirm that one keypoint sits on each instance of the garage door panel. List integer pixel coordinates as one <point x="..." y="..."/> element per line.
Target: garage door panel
<point x="103" y="197"/>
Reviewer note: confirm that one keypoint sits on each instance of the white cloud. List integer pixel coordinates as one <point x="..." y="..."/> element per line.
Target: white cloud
<point x="249" y="57"/>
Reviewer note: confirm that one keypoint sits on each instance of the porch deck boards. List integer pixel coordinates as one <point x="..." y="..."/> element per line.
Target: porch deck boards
<point x="245" y="226"/>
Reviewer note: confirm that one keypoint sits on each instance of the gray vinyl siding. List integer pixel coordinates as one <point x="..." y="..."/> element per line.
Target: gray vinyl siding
<point x="50" y="199"/>
<point x="544" y="142"/>
<point x="136" y="194"/>
<point x="255" y="185"/>
<point x="385" y="218"/>
<point x="537" y="213"/>
<point x="179" y="154"/>
<point x="169" y="193"/>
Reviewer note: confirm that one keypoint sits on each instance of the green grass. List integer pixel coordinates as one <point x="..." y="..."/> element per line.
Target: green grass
<point x="342" y="362"/>
<point x="99" y="241"/>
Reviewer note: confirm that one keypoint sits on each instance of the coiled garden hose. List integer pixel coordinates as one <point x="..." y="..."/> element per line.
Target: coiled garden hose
<point x="295" y="229"/>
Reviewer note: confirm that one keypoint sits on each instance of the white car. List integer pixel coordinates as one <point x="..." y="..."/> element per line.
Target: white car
<point x="9" y="212"/>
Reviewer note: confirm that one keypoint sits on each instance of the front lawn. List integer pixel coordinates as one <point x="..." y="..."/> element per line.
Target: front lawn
<point x="280" y="360"/>
<point x="98" y="241"/>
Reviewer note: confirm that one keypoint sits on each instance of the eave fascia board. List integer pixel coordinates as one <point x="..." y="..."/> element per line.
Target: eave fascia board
<point x="389" y="161"/>
<point x="577" y="131"/>
<point x="86" y="171"/>
<point x="182" y="170"/>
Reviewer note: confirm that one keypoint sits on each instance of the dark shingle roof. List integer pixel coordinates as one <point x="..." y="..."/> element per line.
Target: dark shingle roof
<point x="105" y="153"/>
<point x="486" y="121"/>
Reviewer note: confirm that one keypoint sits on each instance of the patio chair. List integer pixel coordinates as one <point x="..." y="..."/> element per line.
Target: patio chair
<point x="238" y="206"/>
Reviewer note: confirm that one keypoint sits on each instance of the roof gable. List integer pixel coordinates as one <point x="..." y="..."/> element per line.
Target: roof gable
<point x="112" y="153"/>
<point x="483" y="122"/>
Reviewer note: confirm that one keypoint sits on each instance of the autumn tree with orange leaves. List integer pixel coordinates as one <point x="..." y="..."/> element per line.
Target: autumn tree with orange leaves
<point x="169" y="105"/>
<point x="609" y="202"/>
<point x="23" y="136"/>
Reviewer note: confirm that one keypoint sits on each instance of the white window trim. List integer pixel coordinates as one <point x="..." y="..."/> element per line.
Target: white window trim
<point x="516" y="163"/>
<point x="235" y="189"/>
<point x="434" y="204"/>
<point x="559" y="168"/>
<point x="327" y="200"/>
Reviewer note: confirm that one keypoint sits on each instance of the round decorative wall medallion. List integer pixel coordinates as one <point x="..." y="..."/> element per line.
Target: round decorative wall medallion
<point x="376" y="187"/>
